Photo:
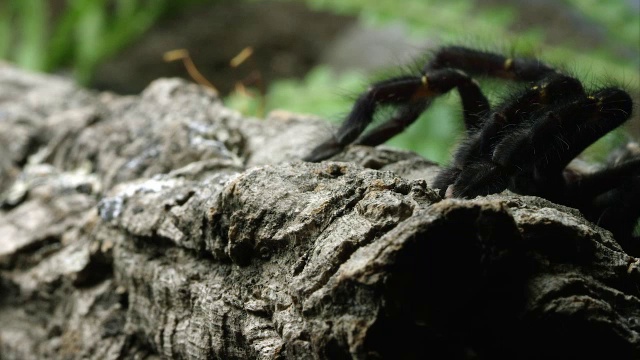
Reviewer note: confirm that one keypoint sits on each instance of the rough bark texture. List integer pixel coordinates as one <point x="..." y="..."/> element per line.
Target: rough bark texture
<point x="167" y="226"/>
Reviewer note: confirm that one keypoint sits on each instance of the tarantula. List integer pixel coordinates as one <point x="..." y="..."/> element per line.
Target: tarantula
<point x="524" y="144"/>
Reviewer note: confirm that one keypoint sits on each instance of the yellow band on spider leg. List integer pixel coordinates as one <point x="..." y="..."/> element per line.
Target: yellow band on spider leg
<point x="508" y="64"/>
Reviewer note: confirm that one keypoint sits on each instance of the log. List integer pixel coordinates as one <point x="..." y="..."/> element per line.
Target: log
<point x="165" y="225"/>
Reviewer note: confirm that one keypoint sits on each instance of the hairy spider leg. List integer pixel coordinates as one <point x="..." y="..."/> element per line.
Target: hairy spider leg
<point x="483" y="63"/>
<point x="474" y="104"/>
<point x="476" y="178"/>
<point x="617" y="210"/>
<point x="574" y="127"/>
<point x="605" y="185"/>
<point x="396" y="90"/>
<point x="531" y="157"/>
<point x="599" y="182"/>
<point x="412" y="94"/>
<point x="446" y="70"/>
<point x="509" y="116"/>
<point x="502" y="140"/>
<point x="552" y="89"/>
<point x="610" y="197"/>
<point x="435" y="83"/>
<point x="477" y="62"/>
<point x="502" y="126"/>
<point x="403" y="117"/>
<point x="543" y="146"/>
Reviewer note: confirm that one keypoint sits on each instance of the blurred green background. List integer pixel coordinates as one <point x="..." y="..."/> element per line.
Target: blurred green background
<point x="597" y="40"/>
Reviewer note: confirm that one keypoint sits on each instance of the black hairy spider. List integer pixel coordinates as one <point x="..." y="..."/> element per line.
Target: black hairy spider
<point x="524" y="144"/>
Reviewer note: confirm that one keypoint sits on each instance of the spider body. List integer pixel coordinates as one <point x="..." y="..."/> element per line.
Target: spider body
<point x="525" y="144"/>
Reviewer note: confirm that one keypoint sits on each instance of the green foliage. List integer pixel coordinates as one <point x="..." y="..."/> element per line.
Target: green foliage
<point x="32" y="16"/>
<point x="86" y="32"/>
<point x="321" y="93"/>
<point x="619" y="20"/>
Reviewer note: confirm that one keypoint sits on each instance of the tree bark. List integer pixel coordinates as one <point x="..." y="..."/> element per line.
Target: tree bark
<point x="165" y="225"/>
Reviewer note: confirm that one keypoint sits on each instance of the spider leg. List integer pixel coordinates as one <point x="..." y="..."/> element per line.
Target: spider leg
<point x="556" y="136"/>
<point x="474" y="106"/>
<point x="546" y="92"/>
<point x="609" y="198"/>
<point x="412" y="95"/>
<point x="506" y="133"/>
<point x="402" y="118"/>
<point x="476" y="178"/>
<point x="474" y="103"/>
<point x="551" y="85"/>
<point x="476" y="62"/>
<point x="618" y="211"/>
<point x="545" y="145"/>
<point x="396" y="90"/>
<point x="599" y="182"/>
<point x="575" y="127"/>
